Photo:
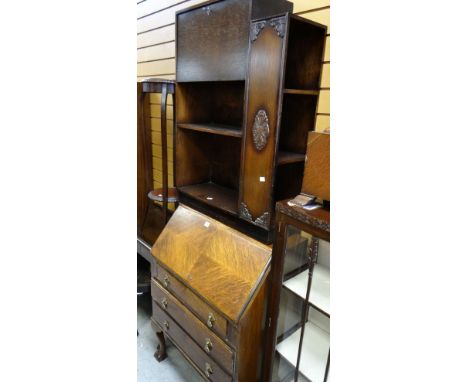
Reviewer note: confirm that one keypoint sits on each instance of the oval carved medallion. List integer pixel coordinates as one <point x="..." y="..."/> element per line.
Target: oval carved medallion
<point x="260" y="130"/>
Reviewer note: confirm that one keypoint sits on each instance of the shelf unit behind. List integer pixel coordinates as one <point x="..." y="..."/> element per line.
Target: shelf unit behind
<point x="314" y="356"/>
<point x="319" y="295"/>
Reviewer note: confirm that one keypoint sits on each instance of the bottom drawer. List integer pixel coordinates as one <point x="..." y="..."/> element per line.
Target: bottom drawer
<point x="199" y="358"/>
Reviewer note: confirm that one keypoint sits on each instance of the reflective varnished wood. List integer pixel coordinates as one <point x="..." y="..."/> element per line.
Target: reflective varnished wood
<point x="212" y="259"/>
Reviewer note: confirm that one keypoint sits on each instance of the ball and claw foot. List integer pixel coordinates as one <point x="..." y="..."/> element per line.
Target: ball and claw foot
<point x="160" y="353"/>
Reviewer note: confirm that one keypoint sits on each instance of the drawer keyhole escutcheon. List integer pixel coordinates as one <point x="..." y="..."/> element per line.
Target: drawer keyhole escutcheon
<point x="166" y="281"/>
<point x="208" y="345"/>
<point x="166" y="325"/>
<point x="208" y="370"/>
<point x="211" y="320"/>
<point x="164" y="303"/>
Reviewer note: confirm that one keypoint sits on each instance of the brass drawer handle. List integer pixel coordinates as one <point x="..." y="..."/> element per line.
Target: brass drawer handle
<point x="208" y="369"/>
<point x="166" y="281"/>
<point x="211" y="320"/>
<point x="166" y="324"/>
<point x="208" y="345"/>
<point x="164" y="303"/>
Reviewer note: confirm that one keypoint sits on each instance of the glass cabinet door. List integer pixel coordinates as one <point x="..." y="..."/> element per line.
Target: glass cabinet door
<point x="303" y="328"/>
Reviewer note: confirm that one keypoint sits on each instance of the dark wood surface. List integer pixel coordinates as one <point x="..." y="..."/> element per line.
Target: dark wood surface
<point x="262" y="94"/>
<point x="151" y="218"/>
<point x="212" y="259"/>
<point x="217" y="106"/>
<point x="251" y="336"/>
<point x="204" y="158"/>
<point x="285" y="157"/>
<point x="215" y="36"/>
<point x="213" y="128"/>
<point x="298" y="117"/>
<point x="144" y="161"/>
<point x="306" y="43"/>
<point x="215" y="195"/>
<point x="210" y="103"/>
<point x="200" y="333"/>
<point x="301" y="92"/>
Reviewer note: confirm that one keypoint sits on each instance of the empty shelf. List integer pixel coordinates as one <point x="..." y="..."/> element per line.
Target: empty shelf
<point x="210" y="193"/>
<point x="320" y="290"/>
<point x="213" y="128"/>
<point x="285" y="157"/>
<point x="301" y="91"/>
<point x="314" y="356"/>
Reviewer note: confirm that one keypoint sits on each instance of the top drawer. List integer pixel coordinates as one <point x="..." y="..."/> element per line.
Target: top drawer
<point x="204" y="312"/>
<point x="212" y="42"/>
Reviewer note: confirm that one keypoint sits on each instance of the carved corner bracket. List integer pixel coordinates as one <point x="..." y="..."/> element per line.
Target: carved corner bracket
<point x="260" y="130"/>
<point x="256" y="28"/>
<point x="278" y="24"/>
<point x="262" y="221"/>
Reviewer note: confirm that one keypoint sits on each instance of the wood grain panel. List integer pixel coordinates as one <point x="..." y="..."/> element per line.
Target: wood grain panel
<point x="157" y="36"/>
<point x="157" y="52"/>
<point x="263" y="93"/>
<point x="213" y="259"/>
<point x="196" y="305"/>
<point x="251" y="330"/>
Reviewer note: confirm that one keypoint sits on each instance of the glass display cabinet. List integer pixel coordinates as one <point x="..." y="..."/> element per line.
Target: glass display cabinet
<point x="298" y="342"/>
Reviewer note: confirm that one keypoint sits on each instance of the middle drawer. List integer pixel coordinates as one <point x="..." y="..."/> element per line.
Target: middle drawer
<point x="205" y="338"/>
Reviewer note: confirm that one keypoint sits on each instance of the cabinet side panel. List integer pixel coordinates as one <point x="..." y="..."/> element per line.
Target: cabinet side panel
<point x="252" y="328"/>
<point x="259" y="141"/>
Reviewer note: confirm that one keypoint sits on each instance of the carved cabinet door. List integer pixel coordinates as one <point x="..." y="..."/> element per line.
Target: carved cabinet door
<point x="264" y="82"/>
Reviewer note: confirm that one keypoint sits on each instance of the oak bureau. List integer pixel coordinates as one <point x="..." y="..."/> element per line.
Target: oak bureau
<point x="208" y="295"/>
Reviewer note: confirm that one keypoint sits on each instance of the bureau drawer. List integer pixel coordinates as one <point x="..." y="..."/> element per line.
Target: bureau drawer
<point x="208" y="316"/>
<point x="206" y="339"/>
<point x="199" y="358"/>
